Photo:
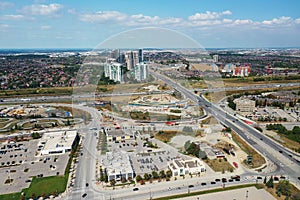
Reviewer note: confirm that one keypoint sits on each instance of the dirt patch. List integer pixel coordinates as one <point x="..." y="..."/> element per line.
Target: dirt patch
<point x="257" y="159"/>
<point x="220" y="165"/>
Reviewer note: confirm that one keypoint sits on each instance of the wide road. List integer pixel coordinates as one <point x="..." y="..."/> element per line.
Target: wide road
<point x="287" y="161"/>
<point x="86" y="167"/>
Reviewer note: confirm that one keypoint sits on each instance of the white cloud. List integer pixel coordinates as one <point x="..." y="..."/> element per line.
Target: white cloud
<point x="281" y="20"/>
<point x="42" y="9"/>
<point x="103" y="16"/>
<point x="242" y="22"/>
<point x="12" y="17"/>
<point x="5" y="5"/>
<point x="208" y="15"/>
<point x="45" y="27"/>
<point x="208" y="19"/>
<point x="129" y="20"/>
<point x="4" y="27"/>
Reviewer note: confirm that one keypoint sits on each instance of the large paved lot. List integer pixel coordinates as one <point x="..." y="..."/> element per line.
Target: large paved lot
<point x="20" y="162"/>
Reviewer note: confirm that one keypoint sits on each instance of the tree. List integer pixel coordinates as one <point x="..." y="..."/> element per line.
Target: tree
<point x="265" y="180"/>
<point x="155" y="175"/>
<point x="169" y="174"/>
<point x="123" y="180"/>
<point x="35" y="135"/>
<point x="112" y="182"/>
<point x="270" y="183"/>
<point x="284" y="187"/>
<point x="162" y="174"/>
<point x="138" y="178"/>
<point x="146" y="176"/>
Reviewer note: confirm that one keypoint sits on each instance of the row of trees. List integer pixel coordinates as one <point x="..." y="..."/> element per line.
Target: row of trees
<point x="293" y="134"/>
<point x="154" y="175"/>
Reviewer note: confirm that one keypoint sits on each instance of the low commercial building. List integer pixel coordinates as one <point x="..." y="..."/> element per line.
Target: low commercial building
<point x="181" y="167"/>
<point x="57" y="142"/>
<point x="117" y="165"/>
<point x="119" y="135"/>
<point x="211" y="152"/>
<point x="244" y="105"/>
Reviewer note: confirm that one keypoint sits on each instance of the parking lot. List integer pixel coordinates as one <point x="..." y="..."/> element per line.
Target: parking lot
<point x="144" y="158"/>
<point x="19" y="162"/>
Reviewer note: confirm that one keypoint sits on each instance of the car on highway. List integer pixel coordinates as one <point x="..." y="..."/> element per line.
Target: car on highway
<point x="235" y="164"/>
<point x="84" y="195"/>
<point x="217" y="180"/>
<point x="135" y="189"/>
<point x="213" y="182"/>
<point x="87" y="185"/>
<point x="224" y="180"/>
<point x="203" y="184"/>
<point x="191" y="186"/>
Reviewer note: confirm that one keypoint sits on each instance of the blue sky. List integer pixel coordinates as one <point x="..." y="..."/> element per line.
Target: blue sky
<point x="212" y="23"/>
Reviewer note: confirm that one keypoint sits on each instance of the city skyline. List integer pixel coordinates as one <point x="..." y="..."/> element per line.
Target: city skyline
<point x="213" y="24"/>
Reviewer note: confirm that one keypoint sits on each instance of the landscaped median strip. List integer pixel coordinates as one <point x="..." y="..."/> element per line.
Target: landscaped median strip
<point x="208" y="191"/>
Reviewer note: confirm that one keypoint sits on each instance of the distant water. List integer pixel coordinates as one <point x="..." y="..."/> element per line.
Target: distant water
<point x="42" y="51"/>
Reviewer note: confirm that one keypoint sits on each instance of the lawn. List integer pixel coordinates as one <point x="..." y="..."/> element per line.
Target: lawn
<point x="10" y="196"/>
<point x="46" y="186"/>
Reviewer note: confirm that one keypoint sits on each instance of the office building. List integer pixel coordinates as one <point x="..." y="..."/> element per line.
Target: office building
<point x="181" y="167"/>
<point x="216" y="58"/>
<point x="57" y="142"/>
<point x="243" y="70"/>
<point x="141" y="56"/>
<point x="114" y="71"/>
<point x="244" y="105"/>
<point x="117" y="165"/>
<point x="131" y="59"/>
<point x="141" y="71"/>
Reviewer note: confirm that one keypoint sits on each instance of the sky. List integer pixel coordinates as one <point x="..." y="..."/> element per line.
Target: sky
<point x="211" y="23"/>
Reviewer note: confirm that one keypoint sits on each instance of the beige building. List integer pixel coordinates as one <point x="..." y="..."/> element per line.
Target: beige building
<point x="119" y="135"/>
<point x="244" y="105"/>
<point x="183" y="167"/>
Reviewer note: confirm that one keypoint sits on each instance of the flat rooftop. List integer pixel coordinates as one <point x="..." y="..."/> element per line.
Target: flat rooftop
<point x="54" y="140"/>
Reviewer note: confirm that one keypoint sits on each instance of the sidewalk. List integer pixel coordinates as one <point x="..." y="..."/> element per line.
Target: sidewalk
<point x="238" y="194"/>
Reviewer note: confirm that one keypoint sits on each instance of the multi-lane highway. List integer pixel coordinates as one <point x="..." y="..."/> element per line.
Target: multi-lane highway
<point x="288" y="162"/>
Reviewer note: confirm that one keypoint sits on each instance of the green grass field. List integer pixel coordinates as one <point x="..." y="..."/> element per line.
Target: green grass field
<point x="10" y="196"/>
<point x="46" y="186"/>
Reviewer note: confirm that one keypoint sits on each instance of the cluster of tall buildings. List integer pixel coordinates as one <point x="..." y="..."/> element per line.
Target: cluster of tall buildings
<point x="118" y="63"/>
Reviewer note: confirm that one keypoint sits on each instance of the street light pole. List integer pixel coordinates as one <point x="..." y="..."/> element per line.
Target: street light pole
<point x="247" y="194"/>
